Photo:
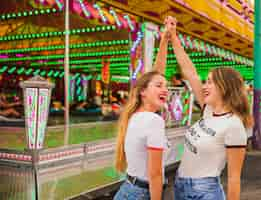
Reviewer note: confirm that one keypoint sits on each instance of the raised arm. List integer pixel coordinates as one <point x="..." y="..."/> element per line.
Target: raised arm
<point x="187" y="67"/>
<point x="160" y="62"/>
<point x="161" y="58"/>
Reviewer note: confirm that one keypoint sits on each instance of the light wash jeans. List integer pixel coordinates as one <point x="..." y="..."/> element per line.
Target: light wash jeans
<point x="129" y="191"/>
<point x="208" y="188"/>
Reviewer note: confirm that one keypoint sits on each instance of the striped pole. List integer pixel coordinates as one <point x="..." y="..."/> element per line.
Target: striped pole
<point x="66" y="74"/>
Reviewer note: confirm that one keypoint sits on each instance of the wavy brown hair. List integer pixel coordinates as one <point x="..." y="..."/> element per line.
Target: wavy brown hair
<point x="232" y="88"/>
<point x="133" y="103"/>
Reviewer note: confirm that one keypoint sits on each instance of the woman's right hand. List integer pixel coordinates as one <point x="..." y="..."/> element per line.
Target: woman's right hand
<point x="168" y="28"/>
<point x="171" y="25"/>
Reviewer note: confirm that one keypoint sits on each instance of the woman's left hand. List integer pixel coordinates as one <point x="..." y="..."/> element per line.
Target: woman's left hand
<point x="171" y="25"/>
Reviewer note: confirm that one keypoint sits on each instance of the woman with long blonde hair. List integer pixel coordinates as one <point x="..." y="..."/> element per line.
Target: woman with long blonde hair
<point x="141" y="140"/>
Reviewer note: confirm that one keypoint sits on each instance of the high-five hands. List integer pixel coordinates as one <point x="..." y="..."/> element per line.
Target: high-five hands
<point x="170" y="26"/>
<point x="168" y="35"/>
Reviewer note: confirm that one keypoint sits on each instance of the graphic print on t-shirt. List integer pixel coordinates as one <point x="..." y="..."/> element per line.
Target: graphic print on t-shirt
<point x="193" y="134"/>
<point x="206" y="143"/>
<point x="207" y="130"/>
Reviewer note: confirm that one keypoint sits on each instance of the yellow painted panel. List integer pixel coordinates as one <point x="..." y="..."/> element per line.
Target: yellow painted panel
<point x="198" y="6"/>
<point x="210" y="9"/>
<point x="213" y="10"/>
<point x="249" y="33"/>
<point x="226" y="18"/>
<point x="236" y="5"/>
<point x="233" y="22"/>
<point x="221" y="14"/>
<point x="239" y="25"/>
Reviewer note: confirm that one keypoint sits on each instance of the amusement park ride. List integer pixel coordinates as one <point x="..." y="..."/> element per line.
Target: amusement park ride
<point x="109" y="41"/>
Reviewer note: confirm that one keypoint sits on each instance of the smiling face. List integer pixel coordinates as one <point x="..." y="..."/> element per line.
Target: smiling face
<point x="212" y="95"/>
<point x="155" y="95"/>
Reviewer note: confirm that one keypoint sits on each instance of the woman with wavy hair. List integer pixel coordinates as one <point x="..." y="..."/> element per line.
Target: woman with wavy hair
<point x="218" y="138"/>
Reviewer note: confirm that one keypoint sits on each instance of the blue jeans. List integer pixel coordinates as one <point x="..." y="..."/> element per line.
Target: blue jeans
<point x="208" y="188"/>
<point x="129" y="191"/>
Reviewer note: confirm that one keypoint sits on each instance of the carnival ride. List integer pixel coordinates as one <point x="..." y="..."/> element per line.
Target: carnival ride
<point x="107" y="50"/>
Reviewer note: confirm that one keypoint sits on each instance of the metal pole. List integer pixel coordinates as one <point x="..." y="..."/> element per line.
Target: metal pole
<point x="257" y="79"/>
<point x="35" y="172"/>
<point x="66" y="73"/>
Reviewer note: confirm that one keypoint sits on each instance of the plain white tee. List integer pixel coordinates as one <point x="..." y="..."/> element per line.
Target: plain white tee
<point x="206" y="142"/>
<point x="145" y="130"/>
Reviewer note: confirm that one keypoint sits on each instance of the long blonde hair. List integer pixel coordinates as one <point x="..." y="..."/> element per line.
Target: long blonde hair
<point x="232" y="88"/>
<point x="134" y="102"/>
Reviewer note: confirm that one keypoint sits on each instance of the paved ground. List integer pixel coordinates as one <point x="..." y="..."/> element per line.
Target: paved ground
<point x="251" y="178"/>
<point x="250" y="187"/>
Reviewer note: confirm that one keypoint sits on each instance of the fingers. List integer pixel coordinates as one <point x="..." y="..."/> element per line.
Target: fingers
<point x="170" y="20"/>
<point x="170" y="28"/>
<point x="165" y="21"/>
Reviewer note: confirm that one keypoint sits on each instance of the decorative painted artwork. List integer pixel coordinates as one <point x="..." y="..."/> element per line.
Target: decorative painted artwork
<point x="42" y="115"/>
<point x="31" y="115"/>
<point x="177" y="109"/>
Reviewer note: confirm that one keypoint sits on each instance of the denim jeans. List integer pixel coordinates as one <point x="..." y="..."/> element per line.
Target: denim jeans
<point x="208" y="188"/>
<point x="129" y="191"/>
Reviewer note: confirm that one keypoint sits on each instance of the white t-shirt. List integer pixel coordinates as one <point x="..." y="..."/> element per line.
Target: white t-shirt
<point x="206" y="142"/>
<point x="145" y="130"/>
